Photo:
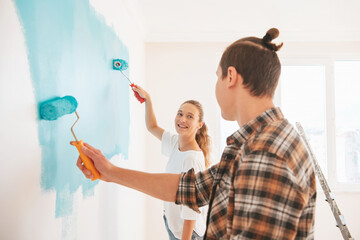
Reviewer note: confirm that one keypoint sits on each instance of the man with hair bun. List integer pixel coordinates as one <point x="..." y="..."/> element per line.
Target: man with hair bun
<point x="264" y="186"/>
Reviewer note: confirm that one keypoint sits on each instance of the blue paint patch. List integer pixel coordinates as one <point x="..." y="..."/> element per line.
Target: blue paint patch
<point x="70" y="51"/>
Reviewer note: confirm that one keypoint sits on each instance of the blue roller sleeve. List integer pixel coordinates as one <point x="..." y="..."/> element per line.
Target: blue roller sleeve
<point x="57" y="107"/>
<point x="120" y="64"/>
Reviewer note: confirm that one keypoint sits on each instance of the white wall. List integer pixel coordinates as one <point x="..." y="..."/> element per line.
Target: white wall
<point x="179" y="71"/>
<point x="210" y="20"/>
<point x="26" y="211"/>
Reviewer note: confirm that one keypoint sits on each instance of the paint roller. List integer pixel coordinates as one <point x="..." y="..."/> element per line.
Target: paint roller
<point x="122" y="65"/>
<point x="56" y="108"/>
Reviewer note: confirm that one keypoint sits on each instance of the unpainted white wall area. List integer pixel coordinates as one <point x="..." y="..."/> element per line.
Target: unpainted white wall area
<point x="22" y="202"/>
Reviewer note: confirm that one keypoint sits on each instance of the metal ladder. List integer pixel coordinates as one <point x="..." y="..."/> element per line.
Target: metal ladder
<point x="340" y="220"/>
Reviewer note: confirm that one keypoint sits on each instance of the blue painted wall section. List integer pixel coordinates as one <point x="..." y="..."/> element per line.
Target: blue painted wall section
<point x="70" y="51"/>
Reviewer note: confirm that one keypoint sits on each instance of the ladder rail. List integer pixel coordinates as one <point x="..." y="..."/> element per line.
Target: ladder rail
<point x="326" y="189"/>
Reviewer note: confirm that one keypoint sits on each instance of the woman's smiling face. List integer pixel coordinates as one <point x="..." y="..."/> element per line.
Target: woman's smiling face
<point x="187" y="120"/>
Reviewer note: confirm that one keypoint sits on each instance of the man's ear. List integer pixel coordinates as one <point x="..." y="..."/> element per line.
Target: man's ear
<point x="234" y="77"/>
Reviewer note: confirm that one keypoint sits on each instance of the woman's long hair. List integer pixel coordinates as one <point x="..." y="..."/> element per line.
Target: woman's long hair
<point x="202" y="138"/>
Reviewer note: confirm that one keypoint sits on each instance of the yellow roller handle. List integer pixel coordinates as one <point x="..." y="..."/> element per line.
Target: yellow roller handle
<point x="88" y="163"/>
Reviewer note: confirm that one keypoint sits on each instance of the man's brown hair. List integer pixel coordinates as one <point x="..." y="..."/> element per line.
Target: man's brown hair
<point x="255" y="59"/>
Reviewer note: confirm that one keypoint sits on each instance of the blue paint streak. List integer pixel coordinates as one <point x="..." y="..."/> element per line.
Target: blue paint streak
<point x="70" y="51"/>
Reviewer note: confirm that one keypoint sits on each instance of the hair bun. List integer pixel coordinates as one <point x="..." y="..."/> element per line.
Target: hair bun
<point x="271" y="34"/>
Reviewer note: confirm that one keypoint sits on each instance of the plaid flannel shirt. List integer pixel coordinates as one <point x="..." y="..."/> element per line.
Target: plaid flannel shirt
<point x="263" y="188"/>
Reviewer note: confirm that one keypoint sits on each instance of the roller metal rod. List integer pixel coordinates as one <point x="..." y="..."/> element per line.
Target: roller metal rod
<point x="126" y="77"/>
<point x="72" y="131"/>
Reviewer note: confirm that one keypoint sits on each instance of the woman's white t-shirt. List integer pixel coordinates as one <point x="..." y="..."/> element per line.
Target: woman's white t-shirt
<point x="182" y="162"/>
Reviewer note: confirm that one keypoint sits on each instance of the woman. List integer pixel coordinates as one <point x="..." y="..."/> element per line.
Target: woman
<point x="188" y="149"/>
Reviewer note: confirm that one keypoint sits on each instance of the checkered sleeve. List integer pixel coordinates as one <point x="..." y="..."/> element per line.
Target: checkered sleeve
<point x="194" y="189"/>
<point x="268" y="200"/>
<point x="305" y="230"/>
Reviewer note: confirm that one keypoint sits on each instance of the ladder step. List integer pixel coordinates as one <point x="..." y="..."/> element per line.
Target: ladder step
<point x="331" y="195"/>
<point x="342" y="218"/>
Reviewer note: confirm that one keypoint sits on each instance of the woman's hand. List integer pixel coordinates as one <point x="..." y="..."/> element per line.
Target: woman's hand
<point x="141" y="92"/>
<point x="101" y="163"/>
<point x="150" y="119"/>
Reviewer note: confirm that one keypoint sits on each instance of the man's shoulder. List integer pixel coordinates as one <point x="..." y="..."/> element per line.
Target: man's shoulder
<point x="281" y="141"/>
<point x="278" y="137"/>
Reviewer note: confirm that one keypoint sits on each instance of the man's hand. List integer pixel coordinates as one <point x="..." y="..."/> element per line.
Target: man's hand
<point x="101" y="163"/>
<point x="159" y="185"/>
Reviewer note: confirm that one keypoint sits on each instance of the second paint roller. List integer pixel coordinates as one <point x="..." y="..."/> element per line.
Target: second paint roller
<point x="122" y="65"/>
<point x="56" y="108"/>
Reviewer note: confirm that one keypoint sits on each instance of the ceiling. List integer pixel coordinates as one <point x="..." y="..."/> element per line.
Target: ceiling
<point x="210" y="20"/>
